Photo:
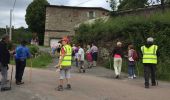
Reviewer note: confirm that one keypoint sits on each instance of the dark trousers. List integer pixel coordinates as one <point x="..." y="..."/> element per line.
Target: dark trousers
<point x="149" y="69"/>
<point x="20" y="66"/>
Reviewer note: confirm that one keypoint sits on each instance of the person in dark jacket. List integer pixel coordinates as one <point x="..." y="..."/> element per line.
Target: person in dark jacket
<point x="22" y="53"/>
<point x="4" y="61"/>
<point x="117" y="55"/>
<point x="150" y="55"/>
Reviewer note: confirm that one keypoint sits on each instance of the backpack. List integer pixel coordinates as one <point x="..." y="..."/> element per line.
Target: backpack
<point x="135" y="56"/>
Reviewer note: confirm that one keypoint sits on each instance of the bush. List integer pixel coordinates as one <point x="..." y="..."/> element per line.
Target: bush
<point x="34" y="50"/>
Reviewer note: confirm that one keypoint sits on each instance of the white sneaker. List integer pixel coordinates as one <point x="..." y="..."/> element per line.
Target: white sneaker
<point x="134" y="76"/>
<point x="130" y="77"/>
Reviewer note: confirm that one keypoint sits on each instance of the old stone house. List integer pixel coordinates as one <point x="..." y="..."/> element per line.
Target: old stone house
<point x="61" y="20"/>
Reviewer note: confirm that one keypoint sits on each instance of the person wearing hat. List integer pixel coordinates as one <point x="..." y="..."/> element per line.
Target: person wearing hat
<point x="4" y="61"/>
<point x="117" y="54"/>
<point x="64" y="64"/>
<point x="149" y="60"/>
<point x="22" y="53"/>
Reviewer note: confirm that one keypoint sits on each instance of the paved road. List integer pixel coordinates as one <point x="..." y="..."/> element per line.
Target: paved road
<point x="96" y="84"/>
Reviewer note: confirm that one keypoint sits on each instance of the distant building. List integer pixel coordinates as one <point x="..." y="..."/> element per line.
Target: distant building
<point x="61" y="20"/>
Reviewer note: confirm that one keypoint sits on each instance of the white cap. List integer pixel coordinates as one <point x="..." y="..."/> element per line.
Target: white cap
<point x="150" y="39"/>
<point x="119" y="43"/>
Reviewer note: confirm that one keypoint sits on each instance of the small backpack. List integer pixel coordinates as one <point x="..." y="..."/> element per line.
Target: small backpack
<point x="135" y="56"/>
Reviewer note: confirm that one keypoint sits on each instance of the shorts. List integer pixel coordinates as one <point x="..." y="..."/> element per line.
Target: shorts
<point x="65" y="73"/>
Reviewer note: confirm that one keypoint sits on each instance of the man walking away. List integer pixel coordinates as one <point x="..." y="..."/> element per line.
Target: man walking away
<point x="4" y="61"/>
<point x="64" y="64"/>
<point x="22" y="53"/>
<point x="150" y="53"/>
<point x="81" y="59"/>
<point x="94" y="51"/>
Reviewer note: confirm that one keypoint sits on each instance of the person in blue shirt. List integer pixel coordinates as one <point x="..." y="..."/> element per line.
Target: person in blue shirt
<point x="22" y="53"/>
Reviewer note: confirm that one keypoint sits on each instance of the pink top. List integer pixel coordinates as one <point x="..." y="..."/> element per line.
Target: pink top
<point x="117" y="56"/>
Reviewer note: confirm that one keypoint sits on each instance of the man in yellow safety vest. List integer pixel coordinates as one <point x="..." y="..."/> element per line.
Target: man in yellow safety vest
<point x="64" y="63"/>
<point x="149" y="60"/>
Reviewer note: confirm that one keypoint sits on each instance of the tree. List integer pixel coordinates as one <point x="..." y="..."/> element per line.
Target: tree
<point x="35" y="18"/>
<point x="132" y="4"/>
<point x="113" y="4"/>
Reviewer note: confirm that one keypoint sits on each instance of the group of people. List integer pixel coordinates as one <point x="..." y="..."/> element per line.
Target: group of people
<point x="90" y="53"/>
<point x="149" y="55"/>
<point x="20" y="53"/>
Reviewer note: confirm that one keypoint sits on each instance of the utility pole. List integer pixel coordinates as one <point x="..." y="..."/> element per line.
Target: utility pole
<point x="6" y="29"/>
<point x="10" y="29"/>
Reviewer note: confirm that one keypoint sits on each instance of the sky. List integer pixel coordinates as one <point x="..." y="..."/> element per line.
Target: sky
<point x="18" y="19"/>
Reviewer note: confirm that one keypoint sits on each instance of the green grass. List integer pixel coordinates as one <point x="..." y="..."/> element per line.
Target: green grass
<point x="41" y="61"/>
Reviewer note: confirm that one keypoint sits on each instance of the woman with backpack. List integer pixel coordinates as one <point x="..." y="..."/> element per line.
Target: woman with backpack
<point x="132" y="56"/>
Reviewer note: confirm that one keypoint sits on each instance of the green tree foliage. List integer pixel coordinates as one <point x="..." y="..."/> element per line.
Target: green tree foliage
<point x="132" y="4"/>
<point x="35" y="18"/>
<point x="2" y="31"/>
<point x="113" y="4"/>
<point x="21" y="34"/>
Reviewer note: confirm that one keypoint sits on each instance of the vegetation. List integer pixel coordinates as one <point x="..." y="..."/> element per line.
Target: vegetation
<point x="35" y="18"/>
<point x="135" y="30"/>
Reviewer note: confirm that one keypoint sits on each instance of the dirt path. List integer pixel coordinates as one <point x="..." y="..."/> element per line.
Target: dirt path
<point x="97" y="84"/>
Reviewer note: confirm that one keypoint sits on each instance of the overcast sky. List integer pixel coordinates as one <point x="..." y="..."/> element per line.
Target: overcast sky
<point x="21" y="5"/>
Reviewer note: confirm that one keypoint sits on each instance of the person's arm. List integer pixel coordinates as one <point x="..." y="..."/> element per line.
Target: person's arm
<point x="61" y="57"/>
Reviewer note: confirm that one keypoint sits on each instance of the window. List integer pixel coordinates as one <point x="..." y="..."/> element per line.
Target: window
<point x="91" y="15"/>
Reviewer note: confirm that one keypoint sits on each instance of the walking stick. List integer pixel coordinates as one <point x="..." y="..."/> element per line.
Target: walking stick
<point x="110" y="62"/>
<point x="30" y="76"/>
<point x="11" y="77"/>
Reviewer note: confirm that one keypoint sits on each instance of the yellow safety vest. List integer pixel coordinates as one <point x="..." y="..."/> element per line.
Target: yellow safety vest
<point x="66" y="61"/>
<point x="149" y="54"/>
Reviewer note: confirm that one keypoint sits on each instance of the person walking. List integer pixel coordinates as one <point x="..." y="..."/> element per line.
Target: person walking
<point x="94" y="51"/>
<point x="149" y="60"/>
<point x="89" y="57"/>
<point x="131" y="62"/>
<point x="4" y="61"/>
<point x="81" y="59"/>
<point x="22" y="53"/>
<point x="64" y="64"/>
<point x="117" y="55"/>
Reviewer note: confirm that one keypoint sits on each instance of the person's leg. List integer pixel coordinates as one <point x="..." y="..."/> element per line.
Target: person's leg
<point x="61" y="82"/>
<point x="130" y="71"/>
<point x="153" y="70"/>
<point x="146" y="75"/>
<point x="133" y="71"/>
<point x="22" y="68"/>
<point x="68" y="76"/>
<point x="4" y="76"/>
<point x="120" y="65"/>
<point x="17" y="62"/>
<point x="116" y="66"/>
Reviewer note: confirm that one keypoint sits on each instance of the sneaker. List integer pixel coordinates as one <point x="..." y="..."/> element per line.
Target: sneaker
<point x="60" y="88"/>
<point x="117" y="76"/>
<point x="153" y="84"/>
<point x="134" y="76"/>
<point x="84" y="70"/>
<point x="146" y="86"/>
<point x="68" y="87"/>
<point x="19" y="83"/>
<point x="5" y="89"/>
<point x="130" y="77"/>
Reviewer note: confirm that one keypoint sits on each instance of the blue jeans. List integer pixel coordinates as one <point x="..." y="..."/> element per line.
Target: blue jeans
<point x="131" y="70"/>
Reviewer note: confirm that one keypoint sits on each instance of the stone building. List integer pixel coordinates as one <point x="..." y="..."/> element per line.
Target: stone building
<point x="61" y="20"/>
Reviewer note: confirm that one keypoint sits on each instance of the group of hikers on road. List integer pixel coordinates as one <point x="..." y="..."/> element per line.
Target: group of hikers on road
<point x="67" y="53"/>
<point x="20" y="53"/>
<point x="149" y="59"/>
